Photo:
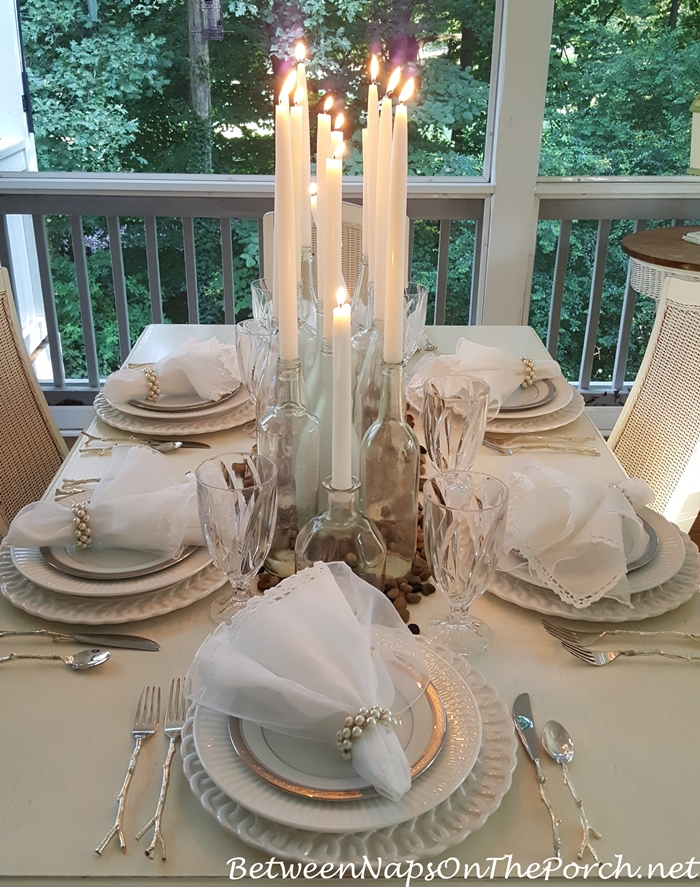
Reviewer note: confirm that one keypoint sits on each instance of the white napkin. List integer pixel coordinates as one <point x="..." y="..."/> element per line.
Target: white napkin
<point x="306" y="656"/>
<point x="502" y="371"/>
<point x="141" y="503"/>
<point x="206" y="368"/>
<point x="577" y="534"/>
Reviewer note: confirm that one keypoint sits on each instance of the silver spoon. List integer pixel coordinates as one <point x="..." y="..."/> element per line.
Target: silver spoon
<point x="78" y="661"/>
<point x="560" y="747"/>
<point x="166" y="446"/>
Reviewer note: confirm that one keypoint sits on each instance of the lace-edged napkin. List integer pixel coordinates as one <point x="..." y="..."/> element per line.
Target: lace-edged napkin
<point x="502" y="371"/>
<point x="573" y="535"/>
<point x="141" y="503"/>
<point x="306" y="659"/>
<point x="206" y="368"/>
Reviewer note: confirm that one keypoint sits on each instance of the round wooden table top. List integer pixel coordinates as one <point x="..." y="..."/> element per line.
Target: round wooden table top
<point x="665" y="247"/>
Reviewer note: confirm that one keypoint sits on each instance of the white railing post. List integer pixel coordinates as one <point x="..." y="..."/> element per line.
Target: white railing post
<point x="521" y="86"/>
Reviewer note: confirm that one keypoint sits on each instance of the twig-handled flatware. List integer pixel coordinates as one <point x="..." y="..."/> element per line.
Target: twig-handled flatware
<point x="427" y="344"/>
<point x="78" y="661"/>
<point x="174" y="722"/>
<point x="525" y="728"/>
<point x="600" y="657"/>
<point x="560" y="748"/>
<point x="108" y="639"/>
<point x="527" y="447"/>
<point x="146" y="723"/>
<point x="584" y="638"/>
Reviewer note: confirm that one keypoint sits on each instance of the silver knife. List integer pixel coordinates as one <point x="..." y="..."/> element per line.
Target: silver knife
<point x="525" y="728"/>
<point x="123" y="641"/>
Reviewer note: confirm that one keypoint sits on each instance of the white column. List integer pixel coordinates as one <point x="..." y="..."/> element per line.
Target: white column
<point x="511" y="227"/>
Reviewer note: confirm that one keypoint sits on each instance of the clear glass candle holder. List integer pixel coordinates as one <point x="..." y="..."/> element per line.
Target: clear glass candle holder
<point x="341" y="533"/>
<point x="289" y="436"/>
<point x="389" y="472"/>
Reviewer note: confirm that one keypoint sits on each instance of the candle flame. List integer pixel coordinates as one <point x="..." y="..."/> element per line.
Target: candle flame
<point x="339" y="121"/>
<point x="288" y="84"/>
<point x="299" y="96"/>
<point x="407" y="91"/>
<point x="341" y="296"/>
<point x="313" y="189"/>
<point x="328" y="104"/>
<point x="300" y="51"/>
<point x="374" y="68"/>
<point x="393" y="81"/>
<point x="339" y="151"/>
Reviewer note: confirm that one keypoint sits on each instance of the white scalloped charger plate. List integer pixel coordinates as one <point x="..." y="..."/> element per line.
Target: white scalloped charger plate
<point x="31" y="598"/>
<point x="453" y="764"/>
<point x="168" y="426"/>
<point x="653" y="602"/>
<point x="432" y="832"/>
<point x="522" y="423"/>
<point x="32" y="566"/>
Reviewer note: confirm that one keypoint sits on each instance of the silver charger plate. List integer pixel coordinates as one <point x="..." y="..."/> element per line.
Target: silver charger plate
<point x="110" y="563"/>
<point x="180" y="403"/>
<point x="316" y="770"/>
<point x="535" y="395"/>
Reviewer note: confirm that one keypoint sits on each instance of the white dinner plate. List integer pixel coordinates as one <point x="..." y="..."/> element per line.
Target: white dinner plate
<point x="174" y="425"/>
<point x="432" y="832"/>
<point x="532" y="421"/>
<point x="167" y="410"/>
<point x="563" y="395"/>
<point x="316" y="770"/>
<point x="31" y="598"/>
<point x="653" y="602"/>
<point x="451" y="767"/>
<point x="110" y="563"/>
<point x="31" y="564"/>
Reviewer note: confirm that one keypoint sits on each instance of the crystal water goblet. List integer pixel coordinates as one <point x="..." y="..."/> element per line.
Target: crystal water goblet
<point x="464" y="525"/>
<point x="455" y="409"/>
<point x="237" y="500"/>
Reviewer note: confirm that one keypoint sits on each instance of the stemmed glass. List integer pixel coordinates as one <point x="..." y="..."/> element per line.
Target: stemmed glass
<point x="252" y="348"/>
<point x="454" y="420"/>
<point x="237" y="499"/>
<point x="464" y="524"/>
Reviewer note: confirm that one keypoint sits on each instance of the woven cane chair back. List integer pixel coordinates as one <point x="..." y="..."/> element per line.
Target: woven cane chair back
<point x="657" y="436"/>
<point x="352" y="245"/>
<point x="31" y="447"/>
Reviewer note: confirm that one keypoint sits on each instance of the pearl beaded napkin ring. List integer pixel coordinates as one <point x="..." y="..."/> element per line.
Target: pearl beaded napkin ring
<point x="81" y="525"/>
<point x="355" y="726"/>
<point x="529" y="365"/>
<point x="152" y="382"/>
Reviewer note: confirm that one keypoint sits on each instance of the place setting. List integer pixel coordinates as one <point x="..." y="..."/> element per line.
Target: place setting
<point x="125" y="547"/>
<point x="196" y="388"/>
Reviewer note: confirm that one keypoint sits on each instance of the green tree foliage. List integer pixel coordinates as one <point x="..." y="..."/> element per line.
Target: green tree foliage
<point x="113" y="95"/>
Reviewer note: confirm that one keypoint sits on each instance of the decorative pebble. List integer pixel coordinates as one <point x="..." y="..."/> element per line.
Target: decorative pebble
<point x="413" y="628"/>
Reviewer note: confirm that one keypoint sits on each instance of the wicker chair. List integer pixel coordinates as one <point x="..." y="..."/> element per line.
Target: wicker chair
<point x="351" y="238"/>
<point x="31" y="447"/>
<point x="657" y="436"/>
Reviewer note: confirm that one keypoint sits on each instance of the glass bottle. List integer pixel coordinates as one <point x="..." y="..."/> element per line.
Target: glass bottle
<point x="360" y="310"/>
<point x="389" y="471"/>
<point x="289" y="435"/>
<point x="367" y="392"/>
<point x="343" y="534"/>
<point x="307" y="291"/>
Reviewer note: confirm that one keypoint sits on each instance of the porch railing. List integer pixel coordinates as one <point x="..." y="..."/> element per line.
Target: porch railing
<point x="445" y="200"/>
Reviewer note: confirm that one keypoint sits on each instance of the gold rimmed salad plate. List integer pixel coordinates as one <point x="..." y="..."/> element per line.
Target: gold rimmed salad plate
<point x="111" y="563"/>
<point x="180" y="403"/>
<point x="315" y="769"/>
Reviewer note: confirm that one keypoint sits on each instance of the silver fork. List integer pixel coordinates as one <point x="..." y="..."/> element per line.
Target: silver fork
<point x="599" y="657"/>
<point x="584" y="638"/>
<point x="174" y="722"/>
<point x="555" y="448"/>
<point x="146" y="723"/>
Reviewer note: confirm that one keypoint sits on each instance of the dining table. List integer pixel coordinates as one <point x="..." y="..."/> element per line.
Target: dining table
<point x="65" y="736"/>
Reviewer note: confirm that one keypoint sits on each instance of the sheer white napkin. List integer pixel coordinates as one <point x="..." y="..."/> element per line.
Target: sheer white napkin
<point x="141" y="503"/>
<point x="573" y="535"/>
<point x="502" y="371"/>
<point x="206" y="368"/>
<point x="306" y="656"/>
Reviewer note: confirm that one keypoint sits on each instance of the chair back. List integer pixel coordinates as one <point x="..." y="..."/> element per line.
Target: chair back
<point x="657" y="436"/>
<point x="351" y="250"/>
<point x="31" y="447"/>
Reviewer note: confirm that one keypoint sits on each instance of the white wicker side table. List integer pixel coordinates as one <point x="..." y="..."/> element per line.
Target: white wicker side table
<point x="659" y="253"/>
